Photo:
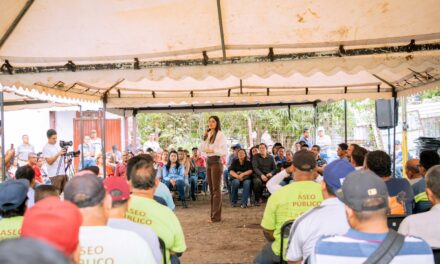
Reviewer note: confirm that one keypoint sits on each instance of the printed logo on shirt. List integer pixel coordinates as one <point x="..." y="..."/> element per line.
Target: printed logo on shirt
<point x="9" y="233"/>
<point x="94" y="254"/>
<point x="138" y="216"/>
<point x="309" y="200"/>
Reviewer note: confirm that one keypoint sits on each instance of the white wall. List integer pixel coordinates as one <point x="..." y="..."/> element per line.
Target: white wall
<point x="35" y="123"/>
<point x="64" y="125"/>
<point x="31" y="122"/>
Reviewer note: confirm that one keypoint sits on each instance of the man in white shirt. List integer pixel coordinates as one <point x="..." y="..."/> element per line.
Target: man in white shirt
<point x="324" y="141"/>
<point x="96" y="142"/>
<point x="151" y="143"/>
<point x="54" y="156"/>
<point x="426" y="225"/>
<point x="23" y="151"/>
<point x="313" y="224"/>
<point x="98" y="242"/>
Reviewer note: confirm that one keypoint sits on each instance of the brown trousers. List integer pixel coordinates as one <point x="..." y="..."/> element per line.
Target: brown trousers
<point x="215" y="173"/>
<point x="59" y="182"/>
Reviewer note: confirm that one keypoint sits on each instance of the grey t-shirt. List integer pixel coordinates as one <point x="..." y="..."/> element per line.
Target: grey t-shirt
<point x="24" y="150"/>
<point x="143" y="231"/>
<point x="50" y="151"/>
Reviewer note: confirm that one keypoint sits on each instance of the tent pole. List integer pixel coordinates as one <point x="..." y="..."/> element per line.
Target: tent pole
<point x="104" y="132"/>
<point x="345" y="121"/>
<point x="395" y="113"/>
<point x="134" y="133"/>
<point x="315" y="119"/>
<point x="220" y="22"/>
<point x="2" y="109"/>
<point x="81" y="121"/>
<point x="404" y="135"/>
<point x="17" y="20"/>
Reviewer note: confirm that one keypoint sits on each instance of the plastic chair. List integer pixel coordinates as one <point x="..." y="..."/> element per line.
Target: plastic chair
<point x="163" y="249"/>
<point x="394" y="221"/>
<point x="436" y="252"/>
<point x="285" y="232"/>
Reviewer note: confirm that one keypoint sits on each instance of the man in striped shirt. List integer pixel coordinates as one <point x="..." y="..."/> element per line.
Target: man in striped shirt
<point x="366" y="198"/>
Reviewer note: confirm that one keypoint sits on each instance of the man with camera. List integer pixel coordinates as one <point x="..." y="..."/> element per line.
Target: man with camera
<point x="55" y="155"/>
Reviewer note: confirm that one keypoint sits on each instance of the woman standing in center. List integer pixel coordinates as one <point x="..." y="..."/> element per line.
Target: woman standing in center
<point x="214" y="146"/>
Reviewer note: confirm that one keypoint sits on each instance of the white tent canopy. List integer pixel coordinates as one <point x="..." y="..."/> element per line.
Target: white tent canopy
<point x="186" y="53"/>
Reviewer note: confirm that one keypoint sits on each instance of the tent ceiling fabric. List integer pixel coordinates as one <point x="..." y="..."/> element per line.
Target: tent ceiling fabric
<point x="160" y="32"/>
<point x="118" y="30"/>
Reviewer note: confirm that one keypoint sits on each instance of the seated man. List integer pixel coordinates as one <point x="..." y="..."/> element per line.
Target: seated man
<point x="264" y="168"/>
<point x="320" y="162"/>
<point x="313" y="224"/>
<point x="400" y="191"/>
<point x="232" y="156"/>
<point x="162" y="194"/>
<point x="98" y="242"/>
<point x="366" y="198"/>
<point x="280" y="158"/>
<point x="42" y="191"/>
<point x="425" y="225"/>
<point x="119" y="190"/>
<point x="26" y="172"/>
<point x="428" y="159"/>
<point x="412" y="171"/>
<point x="240" y="174"/>
<point x="342" y="150"/>
<point x="199" y="172"/>
<point x="288" y="203"/>
<point x="144" y="210"/>
<point x="358" y="157"/>
<point x="13" y="198"/>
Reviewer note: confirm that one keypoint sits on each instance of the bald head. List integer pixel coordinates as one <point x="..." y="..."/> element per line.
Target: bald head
<point x="412" y="169"/>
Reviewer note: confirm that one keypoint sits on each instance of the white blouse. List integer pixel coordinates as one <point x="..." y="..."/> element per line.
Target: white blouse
<point x="220" y="146"/>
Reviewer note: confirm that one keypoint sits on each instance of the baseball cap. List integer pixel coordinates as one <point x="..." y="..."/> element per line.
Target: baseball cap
<point x="304" y="160"/>
<point x="55" y="222"/>
<point x="118" y="188"/>
<point x="84" y="191"/>
<point x="29" y="250"/>
<point x="13" y="193"/>
<point x="364" y="191"/>
<point x="236" y="146"/>
<point x="335" y="173"/>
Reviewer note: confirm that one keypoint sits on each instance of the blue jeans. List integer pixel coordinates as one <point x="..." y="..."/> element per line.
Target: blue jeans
<point x="266" y="256"/>
<point x="235" y="184"/>
<point x="193" y="182"/>
<point x="87" y="163"/>
<point x="180" y="186"/>
<point x="226" y="180"/>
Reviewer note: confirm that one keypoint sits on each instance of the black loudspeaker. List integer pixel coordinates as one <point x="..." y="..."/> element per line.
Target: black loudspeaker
<point x="386" y="114"/>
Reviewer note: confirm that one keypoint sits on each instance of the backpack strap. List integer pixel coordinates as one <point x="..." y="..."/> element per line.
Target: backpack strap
<point x="388" y="249"/>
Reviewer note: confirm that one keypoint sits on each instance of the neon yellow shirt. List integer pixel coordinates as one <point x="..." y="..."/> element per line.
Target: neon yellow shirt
<point x="10" y="227"/>
<point x="289" y="203"/>
<point x="161" y="219"/>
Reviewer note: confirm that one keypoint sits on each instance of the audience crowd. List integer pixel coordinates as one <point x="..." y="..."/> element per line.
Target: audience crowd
<point x="316" y="211"/>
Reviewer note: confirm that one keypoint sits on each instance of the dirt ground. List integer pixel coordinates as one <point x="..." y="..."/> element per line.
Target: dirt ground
<point x="237" y="239"/>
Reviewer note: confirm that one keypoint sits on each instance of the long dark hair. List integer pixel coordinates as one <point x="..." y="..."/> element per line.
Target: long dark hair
<point x="218" y="127"/>
<point x="250" y="152"/>
<point x="169" y="160"/>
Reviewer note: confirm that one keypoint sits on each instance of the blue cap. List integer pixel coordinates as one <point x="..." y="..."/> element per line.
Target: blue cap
<point x="236" y="146"/>
<point x="13" y="193"/>
<point x="335" y="173"/>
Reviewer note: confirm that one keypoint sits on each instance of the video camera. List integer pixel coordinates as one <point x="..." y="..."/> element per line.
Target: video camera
<point x="65" y="144"/>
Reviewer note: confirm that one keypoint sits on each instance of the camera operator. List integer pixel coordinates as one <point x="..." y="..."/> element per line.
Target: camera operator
<point x="54" y="156"/>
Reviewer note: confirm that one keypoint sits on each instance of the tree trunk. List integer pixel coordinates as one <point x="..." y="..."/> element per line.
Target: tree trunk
<point x="251" y="141"/>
